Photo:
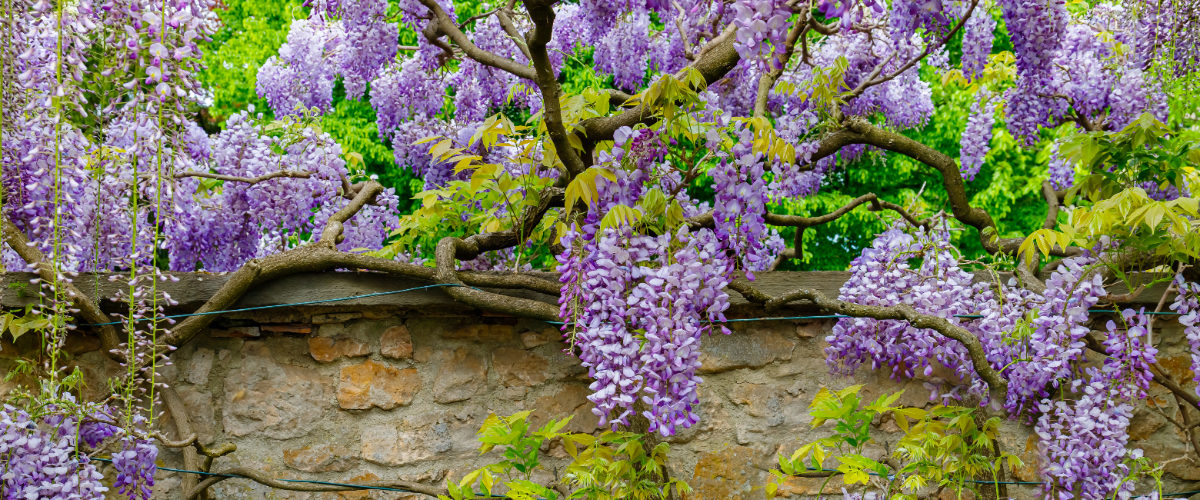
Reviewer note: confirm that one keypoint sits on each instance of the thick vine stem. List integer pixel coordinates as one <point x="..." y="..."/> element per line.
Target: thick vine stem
<point x="333" y="228"/>
<point x="767" y="81"/>
<point x="88" y="310"/>
<point x="1051" y="196"/>
<point x="183" y="426"/>
<point x="505" y="17"/>
<point x="446" y="274"/>
<point x="859" y="131"/>
<point x="323" y="256"/>
<point x="1161" y="378"/>
<point x="715" y="61"/>
<point x="542" y="14"/>
<point x="901" y="312"/>
<point x="166" y="441"/>
<point x="444" y="25"/>
<point x="952" y="180"/>
<point x="1029" y="280"/>
<point x="258" y="477"/>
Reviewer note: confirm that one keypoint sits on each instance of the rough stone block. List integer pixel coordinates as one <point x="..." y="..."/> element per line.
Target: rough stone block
<point x="321" y="458"/>
<point x="278" y="401"/>
<point x="482" y="333"/>
<point x="440" y="435"/>
<point x="341" y="317"/>
<point x="375" y="384"/>
<point x="747" y="349"/>
<point x="396" y="343"/>
<point x="326" y="349"/>
<point x="300" y="328"/>
<point x="200" y="413"/>
<point x="534" y="339"/>
<point x="730" y="473"/>
<point x="197" y="368"/>
<point x="461" y="376"/>
<point x="570" y="400"/>
<point x="519" y="368"/>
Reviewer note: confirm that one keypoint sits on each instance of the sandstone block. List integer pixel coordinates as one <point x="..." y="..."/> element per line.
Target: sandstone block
<point x="534" y="339"/>
<point x="440" y="435"/>
<point x="570" y="400"/>
<point x="301" y="328"/>
<point x="278" y="401"/>
<point x="461" y="376"/>
<point x="365" y="477"/>
<point x="375" y="384"/>
<point x="200" y="413"/>
<point x="196" y="371"/>
<point x="744" y="349"/>
<point x="731" y="473"/>
<point x="519" y="368"/>
<point x="762" y="401"/>
<point x="320" y="458"/>
<point x="482" y="333"/>
<point x="326" y="349"/>
<point x="342" y="317"/>
<point x="396" y="343"/>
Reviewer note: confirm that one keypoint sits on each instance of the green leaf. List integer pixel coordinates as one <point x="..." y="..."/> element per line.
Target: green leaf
<point x="620" y="215"/>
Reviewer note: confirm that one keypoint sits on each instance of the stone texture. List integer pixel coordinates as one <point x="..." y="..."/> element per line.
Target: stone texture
<point x="729" y="473"/>
<point x="196" y="371"/>
<point x="362" y="494"/>
<point x="419" y="438"/>
<point x="461" y="376"/>
<point x="762" y="401"/>
<point x="519" y="368"/>
<point x="278" y="401"/>
<point x="570" y="400"/>
<point x="78" y="343"/>
<point x="482" y="333"/>
<point x="326" y="349"/>
<point x="743" y="349"/>
<point x="200" y="414"/>
<point x="237" y="332"/>
<point x="535" y="339"/>
<point x="1144" y="424"/>
<point x="395" y="342"/>
<point x="321" y="458"/>
<point x="806" y="486"/>
<point x="332" y="330"/>
<point x="375" y="384"/>
<point x="342" y="317"/>
<point x="282" y="407"/>
<point x="301" y="328"/>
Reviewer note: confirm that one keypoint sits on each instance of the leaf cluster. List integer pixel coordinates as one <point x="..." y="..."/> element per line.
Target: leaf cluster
<point x="607" y="466"/>
<point x="943" y="447"/>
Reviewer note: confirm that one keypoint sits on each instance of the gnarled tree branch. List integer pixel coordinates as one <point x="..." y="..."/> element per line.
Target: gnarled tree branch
<point x="767" y="81"/>
<point x="542" y="14"/>
<point x="88" y="310"/>
<point x="444" y="25"/>
<point x="183" y="426"/>
<point x="260" y="478"/>
<point x="715" y="61"/>
<point x="974" y="348"/>
<point x="446" y="274"/>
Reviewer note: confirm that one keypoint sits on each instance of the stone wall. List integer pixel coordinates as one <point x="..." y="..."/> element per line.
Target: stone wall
<point x="352" y="392"/>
